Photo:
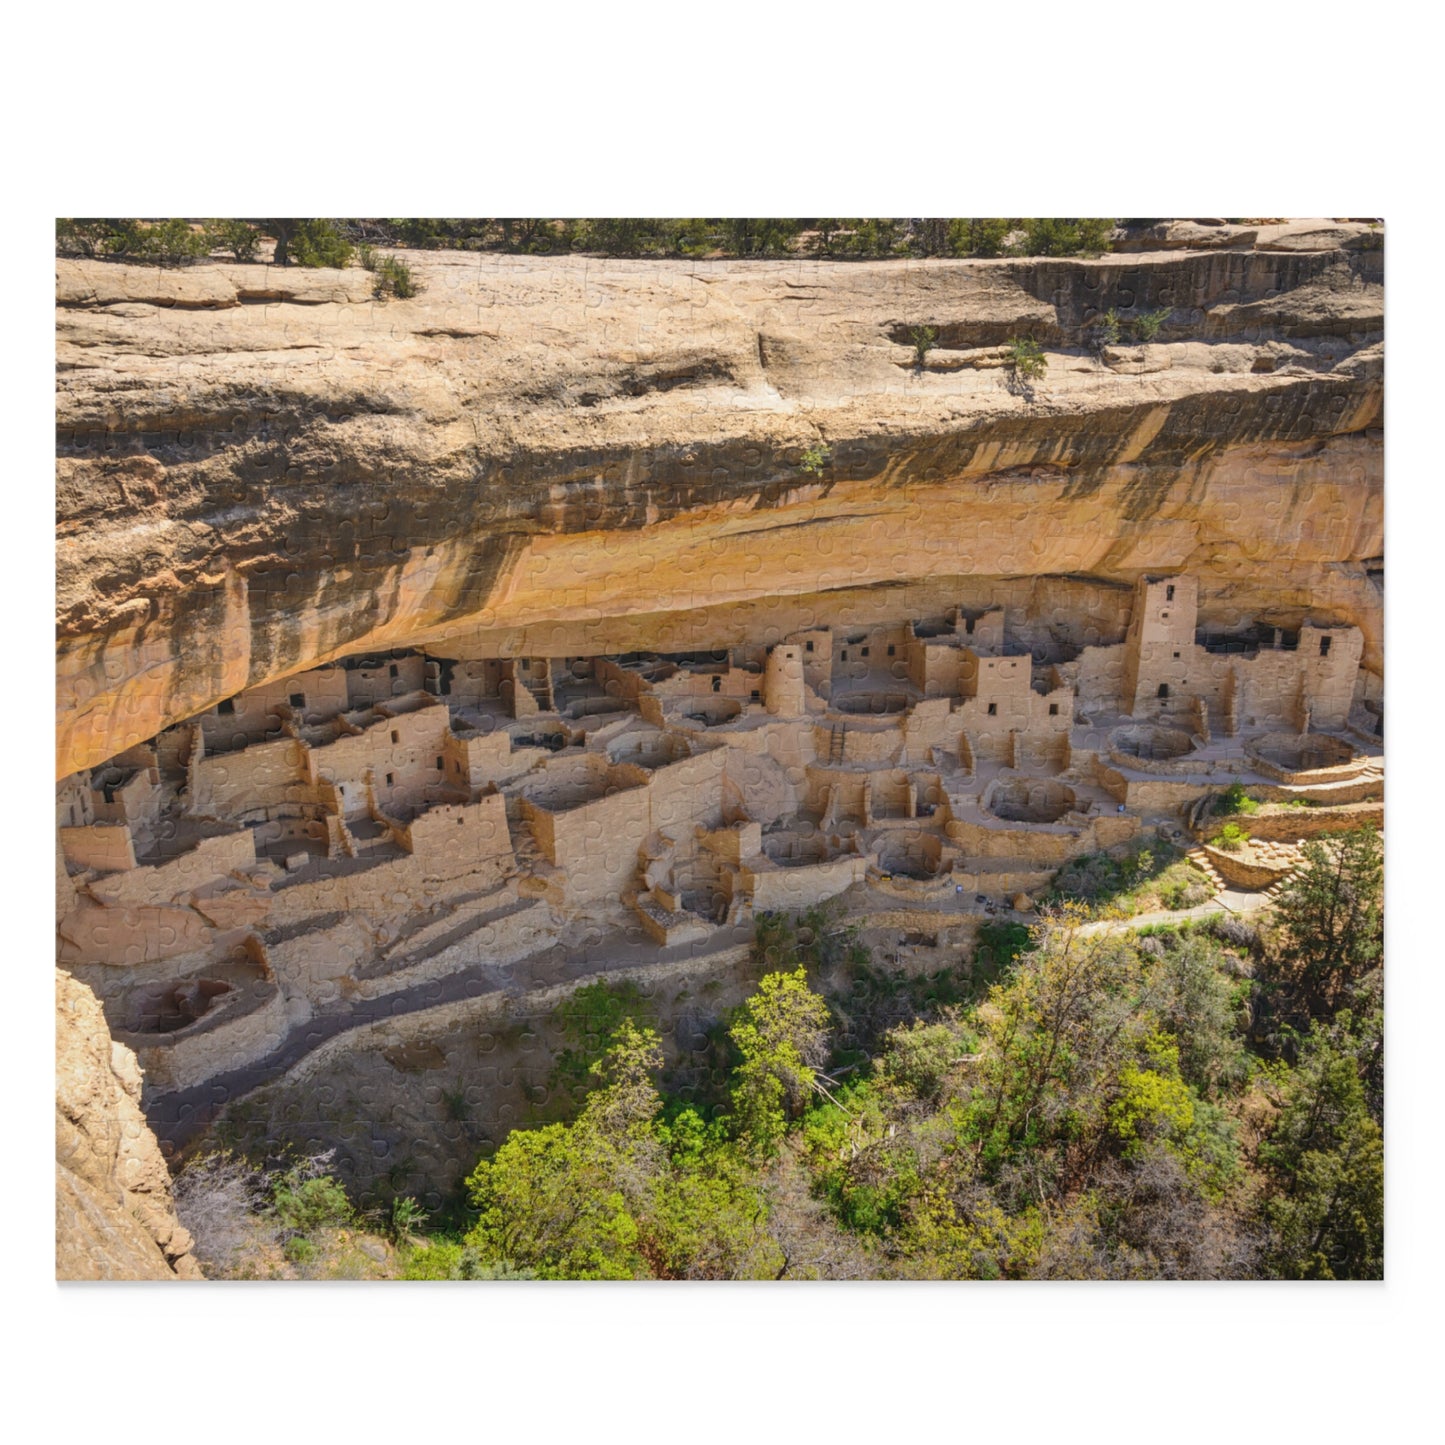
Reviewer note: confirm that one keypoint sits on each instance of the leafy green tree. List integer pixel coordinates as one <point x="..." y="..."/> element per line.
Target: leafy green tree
<point x="1054" y="1038"/>
<point x="782" y="1035"/>
<point x="1065" y="236"/>
<point x="163" y="242"/>
<point x="767" y="236"/>
<point x="564" y="1200"/>
<point x="923" y="338"/>
<point x="982" y="236"/>
<point x="1326" y="1155"/>
<point x="240" y="238"/>
<point x="1331" y="913"/>
<point x="591" y="1019"/>
<point x="313" y="241"/>
<point x="1197" y="1004"/>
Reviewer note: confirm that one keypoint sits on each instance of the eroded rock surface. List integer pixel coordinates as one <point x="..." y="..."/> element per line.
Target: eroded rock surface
<point x="260" y="470"/>
<point x="114" y="1215"/>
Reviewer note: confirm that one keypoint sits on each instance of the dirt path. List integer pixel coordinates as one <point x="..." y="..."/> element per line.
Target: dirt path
<point x="1232" y="901"/>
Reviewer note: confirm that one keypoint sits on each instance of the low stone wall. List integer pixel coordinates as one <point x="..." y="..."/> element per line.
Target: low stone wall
<point x="1240" y="873"/>
<point x="1159" y="795"/>
<point x="209" y="1047"/>
<point x="210" y="859"/>
<point x="1358" y="790"/>
<point x="1180" y="767"/>
<point x="903" y="887"/>
<point x="1285" y="825"/>
<point x="1005" y="884"/>
<point x="1050" y="843"/>
<point x="784" y="889"/>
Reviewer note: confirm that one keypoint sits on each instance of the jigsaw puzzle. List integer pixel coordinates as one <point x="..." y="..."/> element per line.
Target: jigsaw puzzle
<point x="718" y="749"/>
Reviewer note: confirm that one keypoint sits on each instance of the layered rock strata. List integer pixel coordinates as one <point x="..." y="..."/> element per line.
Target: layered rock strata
<point x="263" y="470"/>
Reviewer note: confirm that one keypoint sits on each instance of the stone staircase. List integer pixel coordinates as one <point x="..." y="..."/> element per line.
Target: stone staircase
<point x="1201" y="860"/>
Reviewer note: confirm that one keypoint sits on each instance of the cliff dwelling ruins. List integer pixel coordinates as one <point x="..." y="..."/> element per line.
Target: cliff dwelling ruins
<point x="372" y="827"/>
<point x="424" y="658"/>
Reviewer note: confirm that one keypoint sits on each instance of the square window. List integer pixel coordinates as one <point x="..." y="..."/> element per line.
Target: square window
<point x="993" y="709"/>
<point x="808" y="645"/>
<point x="865" y="652"/>
<point x="1324" y="647"/>
<point x="395" y="737"/>
<point x="297" y="699"/>
<point x="1165" y="616"/>
<point x="393" y="669"/>
<point x="390" y="780"/>
<point x="1176" y="657"/>
<point x="755" y="695"/>
<point x="1053" y="709"/>
<point x="890" y="649"/>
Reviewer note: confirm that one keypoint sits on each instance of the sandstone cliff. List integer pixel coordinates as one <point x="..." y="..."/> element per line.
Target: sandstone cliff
<point x="114" y="1216"/>
<point x="260" y="470"/>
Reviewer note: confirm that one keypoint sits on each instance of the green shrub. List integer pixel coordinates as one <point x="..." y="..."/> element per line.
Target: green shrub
<point x="299" y="1250"/>
<point x="407" y="1217"/>
<point x="980" y="236"/>
<point x="1107" y="330"/>
<point x="1148" y="326"/>
<point x="923" y="338"/>
<point x="816" y="459"/>
<point x="303" y="1204"/>
<point x="1234" y="800"/>
<point x="393" y="278"/>
<point x="1025" y="359"/>
<point x="1065" y="236"/>
<point x="997" y="945"/>
<point x="161" y="243"/>
<point x="1231" y="838"/>
<point x="318" y="242"/>
<point x="1184" y="893"/>
<point x="81" y="237"/>
<point x="240" y="238"/>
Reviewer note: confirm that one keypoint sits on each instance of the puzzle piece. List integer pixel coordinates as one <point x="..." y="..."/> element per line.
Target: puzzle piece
<point x="440" y="674"/>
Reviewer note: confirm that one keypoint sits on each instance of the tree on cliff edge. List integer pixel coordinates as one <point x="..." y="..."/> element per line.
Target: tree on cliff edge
<point x="311" y="241"/>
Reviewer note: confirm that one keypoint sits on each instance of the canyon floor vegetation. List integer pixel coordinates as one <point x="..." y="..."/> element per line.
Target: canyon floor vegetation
<point x="1201" y="1101"/>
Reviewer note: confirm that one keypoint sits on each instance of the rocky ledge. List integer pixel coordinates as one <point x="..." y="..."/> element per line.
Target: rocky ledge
<point x="260" y="470"/>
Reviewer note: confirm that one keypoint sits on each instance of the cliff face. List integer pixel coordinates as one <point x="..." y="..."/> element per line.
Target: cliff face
<point x="114" y="1216"/>
<point x="260" y="470"/>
